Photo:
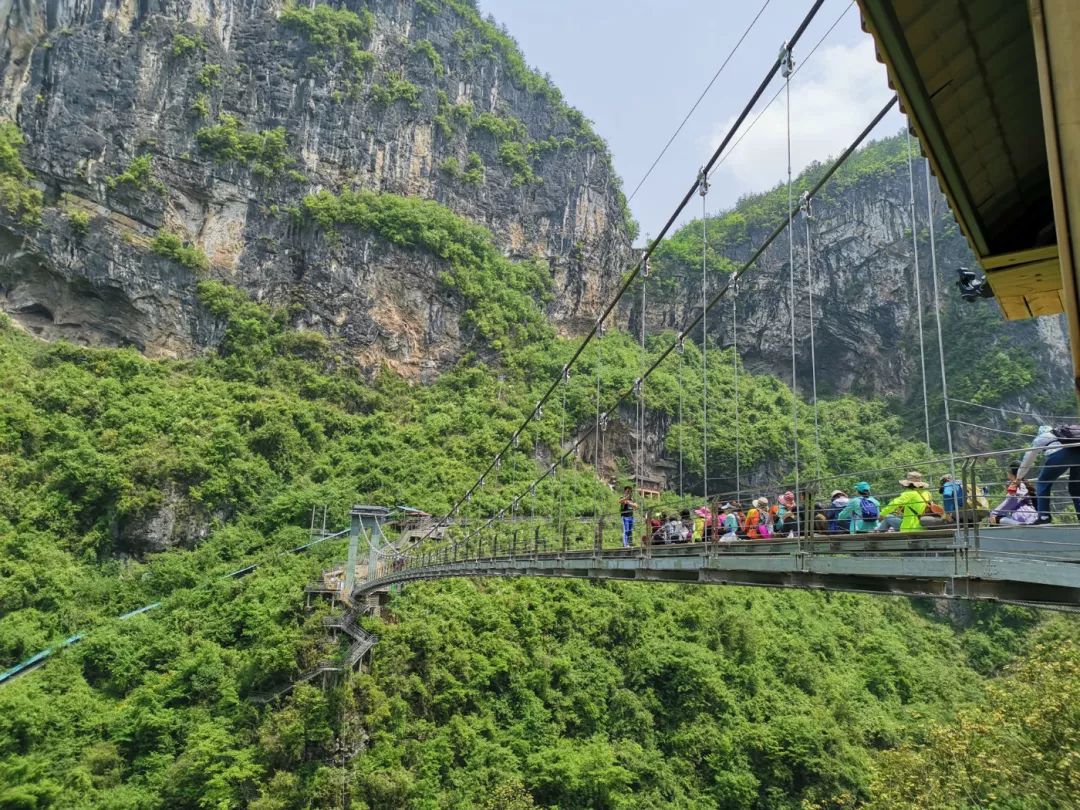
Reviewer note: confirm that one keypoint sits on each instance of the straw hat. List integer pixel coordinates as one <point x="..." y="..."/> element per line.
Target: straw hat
<point x="914" y="479"/>
<point x="761" y="503"/>
<point x="836" y="492"/>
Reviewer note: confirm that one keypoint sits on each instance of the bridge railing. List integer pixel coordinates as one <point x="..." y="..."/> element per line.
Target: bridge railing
<point x="983" y="476"/>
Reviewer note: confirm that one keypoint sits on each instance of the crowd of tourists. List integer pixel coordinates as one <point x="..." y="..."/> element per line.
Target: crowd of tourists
<point x="861" y="512"/>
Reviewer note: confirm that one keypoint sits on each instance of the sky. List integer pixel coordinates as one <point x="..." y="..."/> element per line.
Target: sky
<point x="636" y="67"/>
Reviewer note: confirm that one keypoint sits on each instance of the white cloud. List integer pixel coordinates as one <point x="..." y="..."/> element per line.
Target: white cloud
<point x="839" y="91"/>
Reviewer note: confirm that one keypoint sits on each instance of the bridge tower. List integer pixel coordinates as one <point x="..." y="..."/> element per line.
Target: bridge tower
<point x="366" y="519"/>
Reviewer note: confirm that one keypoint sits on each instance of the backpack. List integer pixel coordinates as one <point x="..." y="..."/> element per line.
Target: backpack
<point x="1067" y="434"/>
<point x="869" y="509"/>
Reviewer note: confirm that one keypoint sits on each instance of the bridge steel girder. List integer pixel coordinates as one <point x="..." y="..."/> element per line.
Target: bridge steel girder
<point x="948" y="573"/>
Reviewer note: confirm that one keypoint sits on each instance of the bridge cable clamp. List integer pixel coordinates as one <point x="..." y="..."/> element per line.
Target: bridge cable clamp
<point x="787" y="64"/>
<point x="703" y="182"/>
<point x="645" y="265"/>
<point x="806" y="205"/>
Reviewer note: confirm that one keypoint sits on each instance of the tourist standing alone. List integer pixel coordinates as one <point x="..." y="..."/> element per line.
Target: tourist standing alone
<point x="1062" y="448"/>
<point x="626" y="509"/>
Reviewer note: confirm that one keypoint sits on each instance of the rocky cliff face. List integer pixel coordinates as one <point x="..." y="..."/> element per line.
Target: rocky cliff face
<point x="861" y="288"/>
<point x="211" y="121"/>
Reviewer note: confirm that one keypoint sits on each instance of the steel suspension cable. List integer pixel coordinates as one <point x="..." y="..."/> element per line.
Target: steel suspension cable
<point x="807" y="216"/>
<point x="786" y="69"/>
<point x="632" y="275"/>
<point x="937" y="320"/>
<point x="772" y="237"/>
<point x="918" y="289"/>
<point x="703" y="189"/>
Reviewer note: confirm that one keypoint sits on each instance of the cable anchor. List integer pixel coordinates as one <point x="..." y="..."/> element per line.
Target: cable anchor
<point x="787" y="64"/>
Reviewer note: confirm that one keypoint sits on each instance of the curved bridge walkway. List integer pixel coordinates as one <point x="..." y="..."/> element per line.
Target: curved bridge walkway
<point x="1039" y="566"/>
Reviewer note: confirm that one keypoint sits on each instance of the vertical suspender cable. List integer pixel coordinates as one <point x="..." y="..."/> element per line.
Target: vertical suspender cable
<point x="937" y="318"/>
<point x="597" y="448"/>
<point x="681" y="363"/>
<point x="918" y="290"/>
<point x="735" y="363"/>
<point x="807" y="216"/>
<point x="562" y="444"/>
<point x="641" y="385"/>
<point x="786" y="67"/>
<point x="703" y="189"/>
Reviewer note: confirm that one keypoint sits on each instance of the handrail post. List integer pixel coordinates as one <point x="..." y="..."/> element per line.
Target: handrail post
<point x="513" y="544"/>
<point x="536" y="541"/>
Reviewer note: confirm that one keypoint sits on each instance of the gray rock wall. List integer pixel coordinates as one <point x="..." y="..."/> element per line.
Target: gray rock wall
<point x="94" y="84"/>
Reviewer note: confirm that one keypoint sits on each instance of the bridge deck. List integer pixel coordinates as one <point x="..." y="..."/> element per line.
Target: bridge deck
<point x="1037" y="565"/>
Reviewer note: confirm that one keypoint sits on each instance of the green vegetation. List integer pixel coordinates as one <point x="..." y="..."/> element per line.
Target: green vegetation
<point x="472" y="174"/>
<point x="515" y="156"/>
<point x="1017" y="746"/>
<point x="427" y="49"/>
<point x="451" y="118"/>
<point x="139" y="174"/>
<point x="396" y="89"/>
<point x="79" y="219"/>
<point x="17" y="196"/>
<point x="265" y="151"/>
<point x="183" y="45"/>
<point x="171" y="246"/>
<point x="200" y="107"/>
<point x="342" y="32"/>
<point x="501" y="296"/>
<point x="209" y="76"/>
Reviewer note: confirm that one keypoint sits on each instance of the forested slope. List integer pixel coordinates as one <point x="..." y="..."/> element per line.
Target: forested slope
<point x="481" y="695"/>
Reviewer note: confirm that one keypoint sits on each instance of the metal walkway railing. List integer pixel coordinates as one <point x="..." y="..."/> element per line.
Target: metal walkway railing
<point x="1030" y="565"/>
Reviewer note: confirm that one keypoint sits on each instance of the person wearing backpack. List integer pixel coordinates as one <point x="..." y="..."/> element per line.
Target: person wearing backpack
<point x="912" y="504"/>
<point x="952" y="495"/>
<point x="757" y="520"/>
<point x="862" y="512"/>
<point x="1062" y="448"/>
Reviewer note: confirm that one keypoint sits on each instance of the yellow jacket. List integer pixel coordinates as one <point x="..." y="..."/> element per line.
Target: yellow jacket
<point x="913" y="502"/>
